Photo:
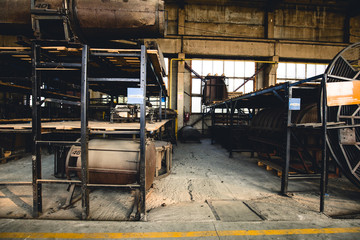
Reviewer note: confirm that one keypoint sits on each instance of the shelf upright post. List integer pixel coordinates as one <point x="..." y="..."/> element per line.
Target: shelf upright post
<point x="165" y="114"/>
<point x="84" y="133"/>
<point x="203" y="109"/>
<point x="324" y="164"/>
<point x="232" y="111"/>
<point x="285" y="172"/>
<point x="227" y="114"/>
<point x="36" y="132"/>
<point x="143" y="65"/>
<point x="222" y="115"/>
<point x="160" y="110"/>
<point x="160" y="104"/>
<point x="212" y="123"/>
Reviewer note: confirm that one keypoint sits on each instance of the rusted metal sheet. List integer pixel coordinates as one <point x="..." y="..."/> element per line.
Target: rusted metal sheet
<point x="49" y="4"/>
<point x="118" y="19"/>
<point x="15" y="17"/>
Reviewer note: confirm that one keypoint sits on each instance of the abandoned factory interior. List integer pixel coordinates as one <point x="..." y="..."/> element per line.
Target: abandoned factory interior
<point x="219" y="118"/>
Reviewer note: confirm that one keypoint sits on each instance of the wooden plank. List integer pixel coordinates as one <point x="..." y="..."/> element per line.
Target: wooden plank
<point x="15" y="48"/>
<point x="18" y="120"/>
<point x="317" y="125"/>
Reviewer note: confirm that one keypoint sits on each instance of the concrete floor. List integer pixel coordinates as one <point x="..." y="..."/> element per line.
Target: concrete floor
<point x="206" y="195"/>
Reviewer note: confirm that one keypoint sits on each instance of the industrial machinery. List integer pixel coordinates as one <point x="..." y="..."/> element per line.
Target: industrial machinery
<point x="344" y="142"/>
<point x="86" y="20"/>
<point x="129" y="113"/>
<point x="214" y="90"/>
<point x="214" y="87"/>
<point x="189" y="134"/>
<point x="269" y="128"/>
<point x="113" y="161"/>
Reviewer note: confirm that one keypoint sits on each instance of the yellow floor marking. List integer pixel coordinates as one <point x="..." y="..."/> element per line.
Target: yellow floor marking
<point x="181" y="234"/>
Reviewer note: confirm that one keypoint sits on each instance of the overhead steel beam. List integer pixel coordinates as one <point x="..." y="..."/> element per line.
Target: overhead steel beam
<point x="250" y="48"/>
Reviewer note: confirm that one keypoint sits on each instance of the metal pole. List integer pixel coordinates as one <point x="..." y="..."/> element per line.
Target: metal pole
<point x="36" y="132"/>
<point x="285" y="172"/>
<point x="324" y="153"/>
<point x="84" y="133"/>
<point x="232" y="105"/>
<point x="212" y="124"/>
<point x="222" y="115"/>
<point x="165" y="107"/>
<point x="143" y="64"/>
<point x="203" y="120"/>
<point x="227" y="114"/>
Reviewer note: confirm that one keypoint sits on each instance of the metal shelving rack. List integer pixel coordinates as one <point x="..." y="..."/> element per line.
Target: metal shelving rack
<point x="281" y="94"/>
<point x="146" y="68"/>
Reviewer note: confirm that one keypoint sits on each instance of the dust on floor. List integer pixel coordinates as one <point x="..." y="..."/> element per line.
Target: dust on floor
<point x="201" y="173"/>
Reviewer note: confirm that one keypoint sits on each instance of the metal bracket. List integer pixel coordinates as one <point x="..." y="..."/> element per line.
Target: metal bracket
<point x="347" y="136"/>
<point x="278" y="96"/>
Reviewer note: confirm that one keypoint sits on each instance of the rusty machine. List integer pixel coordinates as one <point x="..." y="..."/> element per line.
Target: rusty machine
<point x="214" y="89"/>
<point x="89" y="21"/>
<point x="75" y="24"/>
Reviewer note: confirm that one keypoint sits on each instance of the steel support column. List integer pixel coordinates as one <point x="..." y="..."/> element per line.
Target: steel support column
<point x="36" y="132"/>
<point x="232" y="111"/>
<point x="285" y="172"/>
<point x="84" y="133"/>
<point x="212" y="123"/>
<point x="324" y="153"/>
<point x="143" y="65"/>
<point x="203" y="109"/>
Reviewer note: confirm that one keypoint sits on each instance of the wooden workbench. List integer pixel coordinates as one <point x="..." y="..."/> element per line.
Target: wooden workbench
<point x="76" y="125"/>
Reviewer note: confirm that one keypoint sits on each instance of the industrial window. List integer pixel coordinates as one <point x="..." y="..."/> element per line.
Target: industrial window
<point x="235" y="72"/>
<point x="298" y="71"/>
<point x="196" y="104"/>
<point x="166" y="81"/>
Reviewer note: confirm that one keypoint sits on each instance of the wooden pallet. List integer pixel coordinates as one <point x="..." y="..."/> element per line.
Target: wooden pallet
<point x="11" y="157"/>
<point x="271" y="166"/>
